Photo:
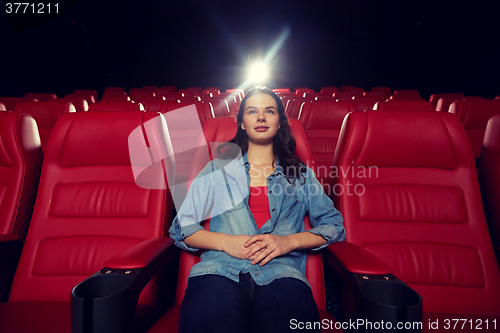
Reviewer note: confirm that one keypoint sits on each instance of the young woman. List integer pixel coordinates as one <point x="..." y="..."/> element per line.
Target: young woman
<point x="252" y="276"/>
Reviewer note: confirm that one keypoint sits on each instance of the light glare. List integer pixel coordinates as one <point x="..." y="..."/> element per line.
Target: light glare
<point x="258" y="72"/>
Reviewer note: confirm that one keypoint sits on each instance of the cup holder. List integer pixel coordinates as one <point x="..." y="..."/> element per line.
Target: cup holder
<point x="101" y="286"/>
<point x="389" y="300"/>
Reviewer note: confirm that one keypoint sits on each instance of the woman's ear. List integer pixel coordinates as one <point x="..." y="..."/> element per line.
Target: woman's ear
<point x="242" y="126"/>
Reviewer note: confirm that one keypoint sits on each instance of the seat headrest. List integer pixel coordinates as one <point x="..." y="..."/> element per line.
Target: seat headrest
<point x="46" y="114"/>
<point x="96" y="138"/>
<point x="327" y="114"/>
<point x="475" y="113"/>
<point x="115" y="107"/>
<point x="405" y="105"/>
<point x="400" y="139"/>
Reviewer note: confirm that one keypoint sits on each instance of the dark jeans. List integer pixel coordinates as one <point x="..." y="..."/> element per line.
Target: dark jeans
<point x="213" y="303"/>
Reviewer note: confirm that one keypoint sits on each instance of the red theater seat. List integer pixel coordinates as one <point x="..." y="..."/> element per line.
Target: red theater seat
<point x="378" y="96"/>
<point x="280" y="90"/>
<point x="46" y="115"/>
<point x="42" y="97"/>
<point x="2" y="107"/>
<point x="414" y="202"/>
<point x="154" y="104"/>
<point x="322" y="122"/>
<point x="474" y="115"/>
<point x="86" y="96"/>
<point x="20" y="166"/>
<point x="301" y="92"/>
<point x="362" y="103"/>
<point x="90" y="214"/>
<point x="435" y="97"/>
<point x="311" y="96"/>
<point x="443" y="104"/>
<point x="293" y="107"/>
<point x="405" y="105"/>
<point x="78" y="92"/>
<point x="197" y="89"/>
<point x="219" y="108"/>
<point x="115" y="107"/>
<point x="149" y="89"/>
<point x="81" y="105"/>
<point x="343" y="96"/>
<point x="385" y="90"/>
<point x="11" y="102"/>
<point x="403" y="94"/>
<point x="345" y="88"/>
<point x="489" y="179"/>
<point x="171" y="88"/>
<point x="222" y="130"/>
<point x="115" y="97"/>
<point x="356" y="91"/>
<point x="142" y="94"/>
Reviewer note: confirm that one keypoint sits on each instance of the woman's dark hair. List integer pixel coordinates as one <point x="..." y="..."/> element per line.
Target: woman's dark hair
<point x="283" y="142"/>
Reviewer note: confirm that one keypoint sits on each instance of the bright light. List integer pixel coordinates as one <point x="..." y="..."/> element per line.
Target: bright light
<point x="258" y="72"/>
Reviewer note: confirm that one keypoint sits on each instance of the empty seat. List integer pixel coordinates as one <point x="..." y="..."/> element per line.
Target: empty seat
<point x="222" y="130"/>
<point x="42" y="97"/>
<point x="329" y="90"/>
<point x="311" y="96"/>
<point x="11" y="102"/>
<point x="322" y="122"/>
<point x="345" y="88"/>
<point x="89" y="97"/>
<point x="489" y="179"/>
<point x="154" y="104"/>
<point x="302" y="91"/>
<point x="141" y="95"/>
<point x="343" y="96"/>
<point x="474" y="115"/>
<point x="46" y="115"/>
<point x="403" y="94"/>
<point x="355" y="91"/>
<point x="405" y="105"/>
<point x="378" y="96"/>
<point x="282" y="89"/>
<point x="443" y="104"/>
<point x="81" y="104"/>
<point x="293" y="107"/>
<point x="77" y="92"/>
<point x="150" y="89"/>
<point x="435" y="97"/>
<point x="116" y="97"/>
<point x="90" y="207"/>
<point x="413" y="201"/>
<point x="171" y="88"/>
<point x="386" y="90"/>
<point x="219" y="108"/>
<point x="115" y="107"/>
<point x="20" y="166"/>
<point x="362" y="104"/>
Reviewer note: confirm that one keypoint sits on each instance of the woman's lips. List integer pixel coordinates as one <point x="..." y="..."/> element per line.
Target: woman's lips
<point x="261" y="128"/>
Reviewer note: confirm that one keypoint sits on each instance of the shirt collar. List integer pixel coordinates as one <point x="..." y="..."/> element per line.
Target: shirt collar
<point x="279" y="169"/>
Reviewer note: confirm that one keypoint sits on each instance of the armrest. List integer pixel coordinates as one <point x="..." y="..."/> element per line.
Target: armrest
<point x="357" y="260"/>
<point x="107" y="300"/>
<point x="374" y="293"/>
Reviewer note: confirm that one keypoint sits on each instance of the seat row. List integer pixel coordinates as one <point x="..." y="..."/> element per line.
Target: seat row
<point x="416" y="230"/>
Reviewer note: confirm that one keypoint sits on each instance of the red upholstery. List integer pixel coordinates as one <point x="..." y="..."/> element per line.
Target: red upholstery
<point x="435" y="97"/>
<point x="42" y="97"/>
<point x="197" y="89"/>
<point x="302" y="91"/>
<point x="311" y="96"/>
<point x="88" y="209"/>
<point x="378" y="96"/>
<point x="474" y="115"/>
<point x="81" y="105"/>
<point x="403" y="94"/>
<point x="443" y="104"/>
<point x="405" y="105"/>
<point x="355" y="91"/>
<point x="322" y="122"/>
<point x="115" y="107"/>
<point x="89" y="97"/>
<point x="20" y="166"/>
<point x="329" y="90"/>
<point x="385" y="90"/>
<point x="489" y="178"/>
<point x="220" y="108"/>
<point x="171" y="88"/>
<point x="11" y="102"/>
<point x="149" y="89"/>
<point x="280" y="90"/>
<point x="78" y="92"/>
<point x="46" y="115"/>
<point x="294" y="106"/>
<point x="2" y="107"/>
<point x="222" y="130"/>
<point x="343" y="96"/>
<point x="115" y="98"/>
<point x="142" y="94"/>
<point x="414" y="202"/>
<point x="345" y="88"/>
<point x="362" y="103"/>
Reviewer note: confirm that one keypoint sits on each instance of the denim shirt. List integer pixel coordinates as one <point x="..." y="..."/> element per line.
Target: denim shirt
<point x="220" y="192"/>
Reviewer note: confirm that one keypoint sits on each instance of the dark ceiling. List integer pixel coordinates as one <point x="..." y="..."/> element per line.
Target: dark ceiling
<point x="405" y="44"/>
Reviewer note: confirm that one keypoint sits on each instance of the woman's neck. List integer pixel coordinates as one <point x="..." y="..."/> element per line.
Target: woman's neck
<point x="262" y="154"/>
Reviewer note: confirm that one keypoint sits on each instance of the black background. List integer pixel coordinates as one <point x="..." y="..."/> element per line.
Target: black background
<point x="431" y="46"/>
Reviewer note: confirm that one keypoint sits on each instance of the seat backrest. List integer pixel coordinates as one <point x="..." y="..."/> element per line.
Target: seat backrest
<point x="222" y="130"/>
<point x="293" y="107"/>
<point x="78" y="92"/>
<point x="435" y="97"/>
<point x="411" y="197"/>
<point x="474" y="115"/>
<point x="89" y="205"/>
<point x="405" y="105"/>
<point x="386" y="90"/>
<point x="11" y="102"/>
<point x="220" y="108"/>
<point x="2" y="107"/>
<point x="81" y="105"/>
<point x="443" y="103"/>
<point x="322" y="122"/>
<point x="402" y="94"/>
<point x="89" y="97"/>
<point x="20" y="166"/>
<point x="489" y="179"/>
<point x="46" y="115"/>
<point x="343" y="95"/>
<point x="115" y="107"/>
<point x="42" y="97"/>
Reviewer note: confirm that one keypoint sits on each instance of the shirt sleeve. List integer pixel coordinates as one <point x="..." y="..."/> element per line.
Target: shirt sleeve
<point x="326" y="220"/>
<point x="194" y="209"/>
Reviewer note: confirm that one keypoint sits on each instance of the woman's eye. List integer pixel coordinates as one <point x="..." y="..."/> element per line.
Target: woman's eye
<point x="270" y="111"/>
<point x="252" y="111"/>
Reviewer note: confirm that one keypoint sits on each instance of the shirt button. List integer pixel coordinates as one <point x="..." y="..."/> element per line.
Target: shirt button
<point x="272" y="210"/>
<point x="270" y="179"/>
<point x="256" y="274"/>
<point x="270" y="192"/>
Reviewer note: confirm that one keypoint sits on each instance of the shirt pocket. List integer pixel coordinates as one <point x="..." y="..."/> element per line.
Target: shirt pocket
<point x="290" y="215"/>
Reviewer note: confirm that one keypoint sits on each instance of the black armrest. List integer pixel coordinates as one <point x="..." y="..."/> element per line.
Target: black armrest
<point x="375" y="294"/>
<point x="107" y="300"/>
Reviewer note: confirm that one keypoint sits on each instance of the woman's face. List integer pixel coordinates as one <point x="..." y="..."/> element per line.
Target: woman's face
<point x="261" y="119"/>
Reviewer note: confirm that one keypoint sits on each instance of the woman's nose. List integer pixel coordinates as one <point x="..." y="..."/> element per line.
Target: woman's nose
<point x="261" y="117"/>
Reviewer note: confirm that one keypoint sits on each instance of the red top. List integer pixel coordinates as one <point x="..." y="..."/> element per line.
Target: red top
<point x="259" y="205"/>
